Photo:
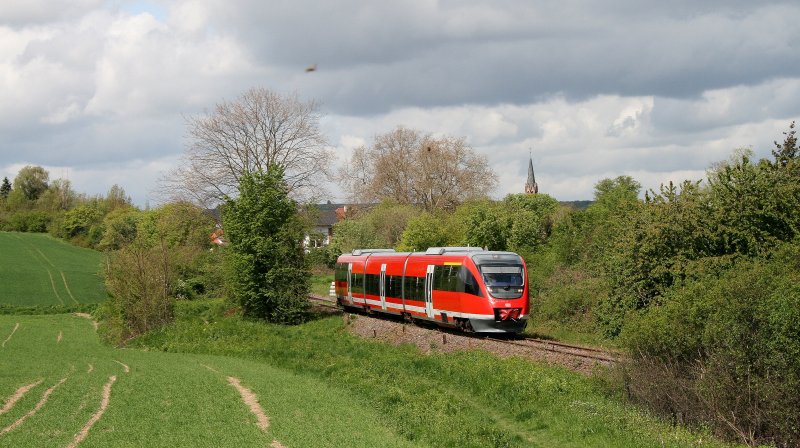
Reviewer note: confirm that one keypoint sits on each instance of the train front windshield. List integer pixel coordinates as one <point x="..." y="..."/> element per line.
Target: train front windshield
<point x="503" y="281"/>
<point x="502" y="273"/>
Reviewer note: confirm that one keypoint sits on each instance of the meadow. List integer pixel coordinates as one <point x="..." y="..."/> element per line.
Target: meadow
<point x="162" y="399"/>
<point x="39" y="270"/>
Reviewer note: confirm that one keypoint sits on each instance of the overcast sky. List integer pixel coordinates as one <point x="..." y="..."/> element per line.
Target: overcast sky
<point x="97" y="91"/>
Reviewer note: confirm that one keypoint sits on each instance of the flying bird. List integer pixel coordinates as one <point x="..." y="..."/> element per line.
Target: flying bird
<point x="311" y="68"/>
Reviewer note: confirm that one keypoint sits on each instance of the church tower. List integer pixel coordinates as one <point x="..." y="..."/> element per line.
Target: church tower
<point x="531" y="187"/>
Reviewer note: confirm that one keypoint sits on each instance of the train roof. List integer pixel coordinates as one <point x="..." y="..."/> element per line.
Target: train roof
<point x="467" y="251"/>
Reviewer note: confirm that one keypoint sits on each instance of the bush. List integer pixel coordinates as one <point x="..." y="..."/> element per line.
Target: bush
<point x="140" y="280"/>
<point x="726" y="349"/>
<point x="28" y="221"/>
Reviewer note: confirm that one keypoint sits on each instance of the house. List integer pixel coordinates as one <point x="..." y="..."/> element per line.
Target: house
<point x="328" y="214"/>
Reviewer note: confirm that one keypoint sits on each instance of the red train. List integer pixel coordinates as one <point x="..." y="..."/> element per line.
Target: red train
<point x="463" y="287"/>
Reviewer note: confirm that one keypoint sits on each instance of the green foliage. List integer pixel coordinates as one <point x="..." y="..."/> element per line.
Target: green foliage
<point x="380" y="227"/>
<point x="81" y="219"/>
<point x="352" y="234"/>
<point x="176" y="224"/>
<point x="140" y="279"/>
<point x="486" y="226"/>
<point x="120" y="228"/>
<point x="732" y="343"/>
<point x="530" y="220"/>
<point x="5" y="188"/>
<point x="28" y="221"/>
<point x="31" y="182"/>
<point x="389" y="220"/>
<point x="423" y="231"/>
<point x="267" y="273"/>
<point x="788" y="150"/>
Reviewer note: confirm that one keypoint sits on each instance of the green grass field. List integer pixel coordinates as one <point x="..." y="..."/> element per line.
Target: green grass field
<point x="165" y="399"/>
<point x="39" y="270"/>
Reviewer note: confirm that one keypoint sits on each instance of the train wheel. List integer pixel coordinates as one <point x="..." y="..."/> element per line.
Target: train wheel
<point x="464" y="325"/>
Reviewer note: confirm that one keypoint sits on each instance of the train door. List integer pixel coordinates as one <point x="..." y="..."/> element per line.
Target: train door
<point x="350" y="283"/>
<point x="429" y="291"/>
<point x="382" y="287"/>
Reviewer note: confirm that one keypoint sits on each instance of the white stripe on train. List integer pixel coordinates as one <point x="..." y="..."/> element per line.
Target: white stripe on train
<point x="421" y="309"/>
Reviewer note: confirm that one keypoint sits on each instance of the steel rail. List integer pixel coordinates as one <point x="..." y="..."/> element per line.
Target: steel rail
<point x="593" y="353"/>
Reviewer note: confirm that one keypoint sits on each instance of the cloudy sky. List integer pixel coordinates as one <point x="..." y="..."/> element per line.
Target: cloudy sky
<point x="97" y="91"/>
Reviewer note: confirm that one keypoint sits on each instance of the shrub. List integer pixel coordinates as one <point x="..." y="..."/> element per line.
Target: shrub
<point x="726" y="349"/>
<point x="28" y="221"/>
<point x="140" y="280"/>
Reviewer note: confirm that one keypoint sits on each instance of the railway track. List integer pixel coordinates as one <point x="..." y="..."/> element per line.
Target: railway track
<point x="323" y="302"/>
<point x="593" y="354"/>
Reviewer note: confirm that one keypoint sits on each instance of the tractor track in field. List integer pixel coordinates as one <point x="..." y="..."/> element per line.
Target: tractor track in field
<point x="250" y="399"/>
<point x="34" y="410"/>
<point x="430" y="338"/>
<point x="16" y="327"/>
<point x="17" y="395"/>
<point x="104" y="401"/>
<point x="66" y="286"/>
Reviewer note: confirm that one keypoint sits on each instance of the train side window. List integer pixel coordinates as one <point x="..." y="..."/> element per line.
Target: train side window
<point x="358" y="283"/>
<point x="467" y="282"/>
<point x="414" y="288"/>
<point x="393" y="286"/>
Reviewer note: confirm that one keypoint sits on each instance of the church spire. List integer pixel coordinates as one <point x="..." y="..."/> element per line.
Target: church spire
<point x="531" y="187"/>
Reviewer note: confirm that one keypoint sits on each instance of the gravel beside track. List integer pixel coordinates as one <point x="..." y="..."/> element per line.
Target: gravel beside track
<point x="430" y="338"/>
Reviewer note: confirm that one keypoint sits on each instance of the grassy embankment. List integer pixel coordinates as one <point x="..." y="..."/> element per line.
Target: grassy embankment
<point x="461" y="399"/>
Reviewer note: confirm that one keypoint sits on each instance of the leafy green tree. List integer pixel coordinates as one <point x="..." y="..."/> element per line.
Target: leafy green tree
<point x="423" y="231"/>
<point x="352" y="234"/>
<point x="530" y="221"/>
<point x="788" y="150"/>
<point x="388" y="220"/>
<point x="81" y="219"/>
<point x="5" y="188"/>
<point x="120" y="228"/>
<point x="31" y="181"/>
<point x="58" y="197"/>
<point x="267" y="273"/>
<point x="178" y="223"/>
<point x="486" y="226"/>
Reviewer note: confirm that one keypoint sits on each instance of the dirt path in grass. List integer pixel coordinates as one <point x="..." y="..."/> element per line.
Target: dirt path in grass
<point x="13" y="399"/>
<point x="251" y="400"/>
<point x="12" y="334"/>
<point x="124" y="366"/>
<point x="88" y="316"/>
<point x="42" y="401"/>
<point x="84" y="432"/>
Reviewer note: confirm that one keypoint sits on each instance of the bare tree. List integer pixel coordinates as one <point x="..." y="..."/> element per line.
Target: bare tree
<point x="257" y="130"/>
<point x="412" y="168"/>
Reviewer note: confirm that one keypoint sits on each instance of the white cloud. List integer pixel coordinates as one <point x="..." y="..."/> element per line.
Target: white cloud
<point x="626" y="87"/>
